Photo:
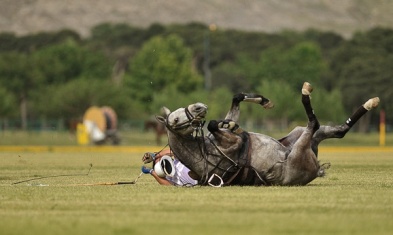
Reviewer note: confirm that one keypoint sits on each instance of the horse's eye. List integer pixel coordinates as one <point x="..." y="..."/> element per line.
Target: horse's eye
<point x="176" y="120"/>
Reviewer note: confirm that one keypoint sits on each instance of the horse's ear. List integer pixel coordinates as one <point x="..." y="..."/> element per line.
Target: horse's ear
<point x="160" y="119"/>
<point x="165" y="111"/>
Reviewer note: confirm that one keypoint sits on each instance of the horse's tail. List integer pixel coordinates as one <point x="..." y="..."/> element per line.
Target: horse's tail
<point x="322" y="169"/>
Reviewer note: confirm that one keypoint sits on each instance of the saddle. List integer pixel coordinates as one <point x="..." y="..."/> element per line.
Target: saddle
<point x="245" y="174"/>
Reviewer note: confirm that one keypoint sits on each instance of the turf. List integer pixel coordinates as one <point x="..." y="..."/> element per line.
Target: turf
<point x="354" y="198"/>
<point x="138" y="137"/>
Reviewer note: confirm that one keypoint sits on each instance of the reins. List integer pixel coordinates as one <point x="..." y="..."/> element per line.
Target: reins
<point x="198" y="135"/>
<point x="234" y="169"/>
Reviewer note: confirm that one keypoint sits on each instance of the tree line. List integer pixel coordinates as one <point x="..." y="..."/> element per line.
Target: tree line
<point x="58" y="75"/>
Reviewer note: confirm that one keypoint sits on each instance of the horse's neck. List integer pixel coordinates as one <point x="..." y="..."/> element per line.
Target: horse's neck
<point x="187" y="150"/>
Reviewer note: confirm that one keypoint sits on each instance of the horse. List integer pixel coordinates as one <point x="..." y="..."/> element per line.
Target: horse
<point x="228" y="155"/>
<point x="157" y="127"/>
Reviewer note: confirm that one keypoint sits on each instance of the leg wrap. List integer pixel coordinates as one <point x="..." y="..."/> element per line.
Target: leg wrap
<point x="307" y="106"/>
<point x="356" y="116"/>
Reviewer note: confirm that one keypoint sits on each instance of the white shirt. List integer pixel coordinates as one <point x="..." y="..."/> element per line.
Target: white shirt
<point x="181" y="177"/>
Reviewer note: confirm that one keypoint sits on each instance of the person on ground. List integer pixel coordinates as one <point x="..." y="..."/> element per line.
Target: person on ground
<point x="180" y="175"/>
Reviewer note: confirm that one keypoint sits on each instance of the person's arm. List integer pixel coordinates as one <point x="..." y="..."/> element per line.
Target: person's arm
<point x="162" y="181"/>
<point x="149" y="156"/>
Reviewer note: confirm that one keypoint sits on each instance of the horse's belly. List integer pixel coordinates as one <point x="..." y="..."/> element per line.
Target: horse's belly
<point x="266" y="152"/>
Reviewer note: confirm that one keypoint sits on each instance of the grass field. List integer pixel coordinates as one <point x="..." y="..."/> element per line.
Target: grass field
<point x="356" y="197"/>
<point x="138" y="137"/>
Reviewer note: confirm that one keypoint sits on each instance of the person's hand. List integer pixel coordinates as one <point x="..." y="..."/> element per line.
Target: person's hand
<point x="148" y="157"/>
<point x="146" y="170"/>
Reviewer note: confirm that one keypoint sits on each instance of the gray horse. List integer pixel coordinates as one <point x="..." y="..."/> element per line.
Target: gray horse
<point x="230" y="156"/>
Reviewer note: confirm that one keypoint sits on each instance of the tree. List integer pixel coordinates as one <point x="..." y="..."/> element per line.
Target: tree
<point x="362" y="69"/>
<point x="19" y="79"/>
<point x="286" y="107"/>
<point x="114" y="36"/>
<point x="7" y="42"/>
<point x="234" y="75"/>
<point x="8" y="104"/>
<point x="294" y="65"/>
<point x="33" y="42"/>
<point x="160" y="64"/>
<point x="26" y="73"/>
<point x="72" y="99"/>
<point x="67" y="61"/>
<point x="289" y="109"/>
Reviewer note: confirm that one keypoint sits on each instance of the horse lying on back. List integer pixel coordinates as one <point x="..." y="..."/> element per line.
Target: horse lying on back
<point x="232" y="156"/>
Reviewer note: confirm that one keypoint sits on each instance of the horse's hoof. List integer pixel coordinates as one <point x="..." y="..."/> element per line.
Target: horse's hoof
<point x="268" y="105"/>
<point x="227" y="124"/>
<point x="307" y="88"/>
<point x="371" y="103"/>
<point x="238" y="98"/>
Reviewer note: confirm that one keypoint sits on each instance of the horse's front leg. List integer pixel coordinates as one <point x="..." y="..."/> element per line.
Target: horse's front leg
<point x="225" y="134"/>
<point x="234" y="112"/>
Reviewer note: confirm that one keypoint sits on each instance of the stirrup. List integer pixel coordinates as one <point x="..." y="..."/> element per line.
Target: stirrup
<point x="215" y="181"/>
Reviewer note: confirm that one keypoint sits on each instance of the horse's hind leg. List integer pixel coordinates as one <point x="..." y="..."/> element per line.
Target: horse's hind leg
<point x="304" y="140"/>
<point x="302" y="165"/>
<point x="339" y="131"/>
<point x="234" y="112"/>
<point x="363" y="109"/>
<point x="328" y="132"/>
<point x="312" y="119"/>
<point x="295" y="134"/>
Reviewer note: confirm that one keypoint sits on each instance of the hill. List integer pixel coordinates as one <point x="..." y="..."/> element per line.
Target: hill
<point x="341" y="16"/>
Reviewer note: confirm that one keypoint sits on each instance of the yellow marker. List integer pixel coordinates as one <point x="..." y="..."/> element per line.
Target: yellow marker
<point x="382" y="128"/>
<point x="81" y="134"/>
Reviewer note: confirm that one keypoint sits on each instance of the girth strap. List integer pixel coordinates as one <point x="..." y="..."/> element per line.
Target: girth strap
<point x="245" y="175"/>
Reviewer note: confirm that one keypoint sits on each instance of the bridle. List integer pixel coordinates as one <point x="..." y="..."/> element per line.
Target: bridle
<point x="196" y="123"/>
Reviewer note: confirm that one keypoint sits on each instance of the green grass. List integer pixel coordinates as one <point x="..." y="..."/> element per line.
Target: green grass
<point x="137" y="137"/>
<point x="65" y="138"/>
<point x="354" y="198"/>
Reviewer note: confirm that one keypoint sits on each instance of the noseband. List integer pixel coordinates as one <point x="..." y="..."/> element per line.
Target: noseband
<point x="196" y="123"/>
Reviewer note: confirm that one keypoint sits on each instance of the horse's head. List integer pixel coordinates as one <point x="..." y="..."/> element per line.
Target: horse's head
<point x="185" y="120"/>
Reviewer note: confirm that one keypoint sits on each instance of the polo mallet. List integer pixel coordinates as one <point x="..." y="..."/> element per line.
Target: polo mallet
<point x="111" y="183"/>
<point x="53" y="176"/>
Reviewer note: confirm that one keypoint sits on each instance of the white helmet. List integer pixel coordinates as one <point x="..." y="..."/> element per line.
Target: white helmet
<point x="165" y="167"/>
